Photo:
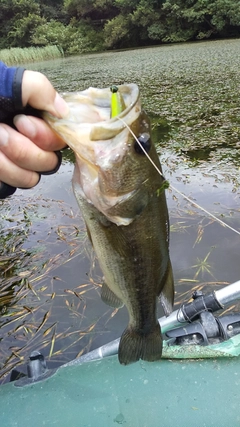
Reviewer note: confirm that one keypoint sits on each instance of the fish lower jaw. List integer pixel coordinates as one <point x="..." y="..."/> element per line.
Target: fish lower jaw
<point x="87" y="165"/>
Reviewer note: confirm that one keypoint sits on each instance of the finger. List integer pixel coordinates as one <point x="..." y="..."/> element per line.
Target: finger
<point x="15" y="176"/>
<point x="38" y="92"/>
<point x="38" y="132"/>
<point x="24" y="153"/>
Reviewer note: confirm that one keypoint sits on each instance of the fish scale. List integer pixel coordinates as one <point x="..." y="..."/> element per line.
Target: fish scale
<point x="123" y="203"/>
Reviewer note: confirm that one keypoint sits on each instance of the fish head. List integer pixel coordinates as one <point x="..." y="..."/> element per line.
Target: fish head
<point x="111" y="168"/>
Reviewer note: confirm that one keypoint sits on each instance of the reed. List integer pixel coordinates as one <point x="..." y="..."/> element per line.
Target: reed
<point x="16" y="55"/>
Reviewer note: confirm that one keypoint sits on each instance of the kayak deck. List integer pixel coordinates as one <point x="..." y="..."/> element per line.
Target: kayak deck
<point x="104" y="393"/>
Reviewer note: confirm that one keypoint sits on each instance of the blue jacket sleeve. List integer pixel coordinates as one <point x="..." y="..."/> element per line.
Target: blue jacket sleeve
<point x="10" y="91"/>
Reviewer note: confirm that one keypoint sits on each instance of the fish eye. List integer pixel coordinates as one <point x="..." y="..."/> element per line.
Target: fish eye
<point x="145" y="141"/>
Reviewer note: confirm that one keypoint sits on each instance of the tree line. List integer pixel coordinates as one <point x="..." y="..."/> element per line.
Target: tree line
<point x="78" y="26"/>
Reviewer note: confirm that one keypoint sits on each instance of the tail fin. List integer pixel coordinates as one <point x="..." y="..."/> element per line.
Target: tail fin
<point x="135" y="345"/>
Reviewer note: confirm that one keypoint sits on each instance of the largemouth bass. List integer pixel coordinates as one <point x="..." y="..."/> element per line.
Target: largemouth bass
<point x="122" y="200"/>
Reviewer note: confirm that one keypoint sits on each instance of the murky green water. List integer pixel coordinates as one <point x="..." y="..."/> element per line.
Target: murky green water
<point x="50" y="294"/>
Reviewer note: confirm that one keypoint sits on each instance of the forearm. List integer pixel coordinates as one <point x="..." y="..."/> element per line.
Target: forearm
<point x="10" y="91"/>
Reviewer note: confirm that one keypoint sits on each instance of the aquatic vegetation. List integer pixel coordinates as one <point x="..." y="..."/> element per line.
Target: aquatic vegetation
<point x="17" y="55"/>
<point x="203" y="266"/>
<point x="29" y="274"/>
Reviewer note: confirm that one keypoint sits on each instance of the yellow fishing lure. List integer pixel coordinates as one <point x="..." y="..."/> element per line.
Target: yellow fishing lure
<point x="117" y="102"/>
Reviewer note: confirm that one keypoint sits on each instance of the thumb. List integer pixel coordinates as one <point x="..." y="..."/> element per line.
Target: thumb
<point x="38" y="92"/>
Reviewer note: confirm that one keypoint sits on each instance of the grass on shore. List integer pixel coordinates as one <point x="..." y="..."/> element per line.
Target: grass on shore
<point x="16" y="55"/>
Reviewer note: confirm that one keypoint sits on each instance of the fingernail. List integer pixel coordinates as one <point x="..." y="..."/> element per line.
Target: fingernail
<point x="60" y="106"/>
<point x="3" y="137"/>
<point x="25" y="125"/>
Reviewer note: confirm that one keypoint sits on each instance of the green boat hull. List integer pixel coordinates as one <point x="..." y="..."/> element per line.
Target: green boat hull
<point x="101" y="393"/>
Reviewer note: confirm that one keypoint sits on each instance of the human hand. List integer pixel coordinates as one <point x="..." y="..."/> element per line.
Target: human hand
<point x="30" y="148"/>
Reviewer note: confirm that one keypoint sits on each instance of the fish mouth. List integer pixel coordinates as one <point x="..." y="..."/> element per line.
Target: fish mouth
<point x="89" y="129"/>
<point x="90" y="115"/>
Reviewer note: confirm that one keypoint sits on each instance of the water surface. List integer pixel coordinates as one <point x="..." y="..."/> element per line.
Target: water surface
<point x="50" y="278"/>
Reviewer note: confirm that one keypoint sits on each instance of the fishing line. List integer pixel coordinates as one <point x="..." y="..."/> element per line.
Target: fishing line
<point x="175" y="189"/>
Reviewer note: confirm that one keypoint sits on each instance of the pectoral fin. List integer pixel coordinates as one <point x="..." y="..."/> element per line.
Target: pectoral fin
<point x="109" y="297"/>
<point x="167" y="293"/>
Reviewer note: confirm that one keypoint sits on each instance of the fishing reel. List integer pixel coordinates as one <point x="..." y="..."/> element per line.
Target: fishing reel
<point x="204" y="328"/>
